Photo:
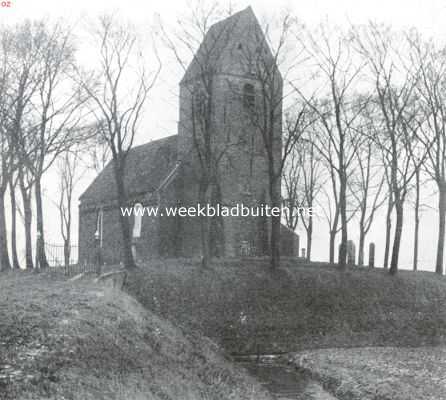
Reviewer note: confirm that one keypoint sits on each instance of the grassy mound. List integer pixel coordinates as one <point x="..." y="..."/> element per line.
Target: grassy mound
<point x="250" y="309"/>
<point x="378" y="373"/>
<point x="77" y="340"/>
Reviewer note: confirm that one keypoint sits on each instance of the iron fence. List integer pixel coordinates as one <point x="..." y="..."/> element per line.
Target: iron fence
<point x="55" y="255"/>
<point x="82" y="268"/>
<point x="69" y="265"/>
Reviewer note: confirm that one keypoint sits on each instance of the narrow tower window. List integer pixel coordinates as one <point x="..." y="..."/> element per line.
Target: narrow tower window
<point x="138" y="211"/>
<point x="99" y="226"/>
<point x="248" y="96"/>
<point x="200" y="103"/>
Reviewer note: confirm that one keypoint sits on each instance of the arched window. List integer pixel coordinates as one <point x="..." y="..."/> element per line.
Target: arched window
<point x="138" y="212"/>
<point x="248" y="96"/>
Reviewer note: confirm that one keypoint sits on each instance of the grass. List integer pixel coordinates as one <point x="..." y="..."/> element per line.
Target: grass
<point x="77" y="340"/>
<point x="249" y="309"/>
<point x="378" y="373"/>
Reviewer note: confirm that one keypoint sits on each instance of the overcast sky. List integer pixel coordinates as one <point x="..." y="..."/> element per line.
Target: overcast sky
<point x="428" y="16"/>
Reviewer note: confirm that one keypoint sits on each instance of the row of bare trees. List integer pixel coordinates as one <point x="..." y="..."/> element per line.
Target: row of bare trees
<point x="41" y="107"/>
<point x="378" y="98"/>
<point x="52" y="108"/>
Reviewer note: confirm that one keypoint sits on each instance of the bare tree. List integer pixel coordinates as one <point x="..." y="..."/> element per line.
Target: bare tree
<point x="416" y="216"/>
<point x="298" y="185"/>
<point x="330" y="207"/>
<point x="302" y="176"/>
<point x="329" y="145"/>
<point x="68" y="171"/>
<point x="118" y="90"/>
<point x="431" y="66"/>
<point x="5" y="145"/>
<point x="274" y="52"/>
<point x="312" y="177"/>
<point x="26" y="182"/>
<point x="46" y="104"/>
<point x="291" y="181"/>
<point x="57" y="105"/>
<point x="394" y="89"/>
<point x="23" y="62"/>
<point x="13" y="180"/>
<point x="4" y="253"/>
<point x="330" y="53"/>
<point x="389" y="210"/>
<point x="367" y="188"/>
<point x="98" y="152"/>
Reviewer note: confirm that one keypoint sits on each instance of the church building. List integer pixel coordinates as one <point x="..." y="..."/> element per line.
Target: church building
<point x="218" y="92"/>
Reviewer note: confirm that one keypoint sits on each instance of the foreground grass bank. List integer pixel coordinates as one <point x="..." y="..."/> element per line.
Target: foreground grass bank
<point x="384" y="373"/>
<point x="249" y="309"/>
<point x="77" y="340"/>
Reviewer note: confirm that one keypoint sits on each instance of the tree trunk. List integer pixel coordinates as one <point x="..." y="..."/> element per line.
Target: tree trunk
<point x="67" y="238"/>
<point x="344" y="222"/>
<point x="27" y="213"/>
<point x="388" y="231"/>
<point x="441" y="227"/>
<point x="15" y="258"/>
<point x="397" y="238"/>
<point x="332" y="234"/>
<point x="275" y="242"/>
<point x="309" y="237"/>
<point x="275" y="226"/>
<point x="4" y="255"/>
<point x="40" y="244"/>
<point x="332" y="245"/>
<point x="361" y="246"/>
<point x="204" y="227"/>
<point x="129" y="262"/>
<point x="66" y="252"/>
<point x="417" y="220"/>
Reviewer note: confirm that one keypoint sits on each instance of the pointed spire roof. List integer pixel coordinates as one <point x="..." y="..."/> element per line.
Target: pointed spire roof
<point x="221" y="38"/>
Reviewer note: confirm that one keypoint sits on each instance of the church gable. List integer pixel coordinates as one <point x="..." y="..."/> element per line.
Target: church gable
<point x="147" y="166"/>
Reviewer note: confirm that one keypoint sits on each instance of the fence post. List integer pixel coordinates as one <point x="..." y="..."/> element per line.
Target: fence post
<point x="372" y="255"/>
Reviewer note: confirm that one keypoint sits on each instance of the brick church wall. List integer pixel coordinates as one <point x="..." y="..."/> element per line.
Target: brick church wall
<point x="157" y="233"/>
<point x="111" y="240"/>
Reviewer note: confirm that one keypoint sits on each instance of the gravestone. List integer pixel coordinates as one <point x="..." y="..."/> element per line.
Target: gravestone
<point x="351" y="252"/>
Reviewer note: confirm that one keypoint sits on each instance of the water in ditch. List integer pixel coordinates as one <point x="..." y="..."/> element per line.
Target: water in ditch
<point x="282" y="379"/>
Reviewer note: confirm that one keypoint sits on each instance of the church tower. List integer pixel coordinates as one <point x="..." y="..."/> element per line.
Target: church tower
<point x="220" y="146"/>
<point x="220" y="133"/>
